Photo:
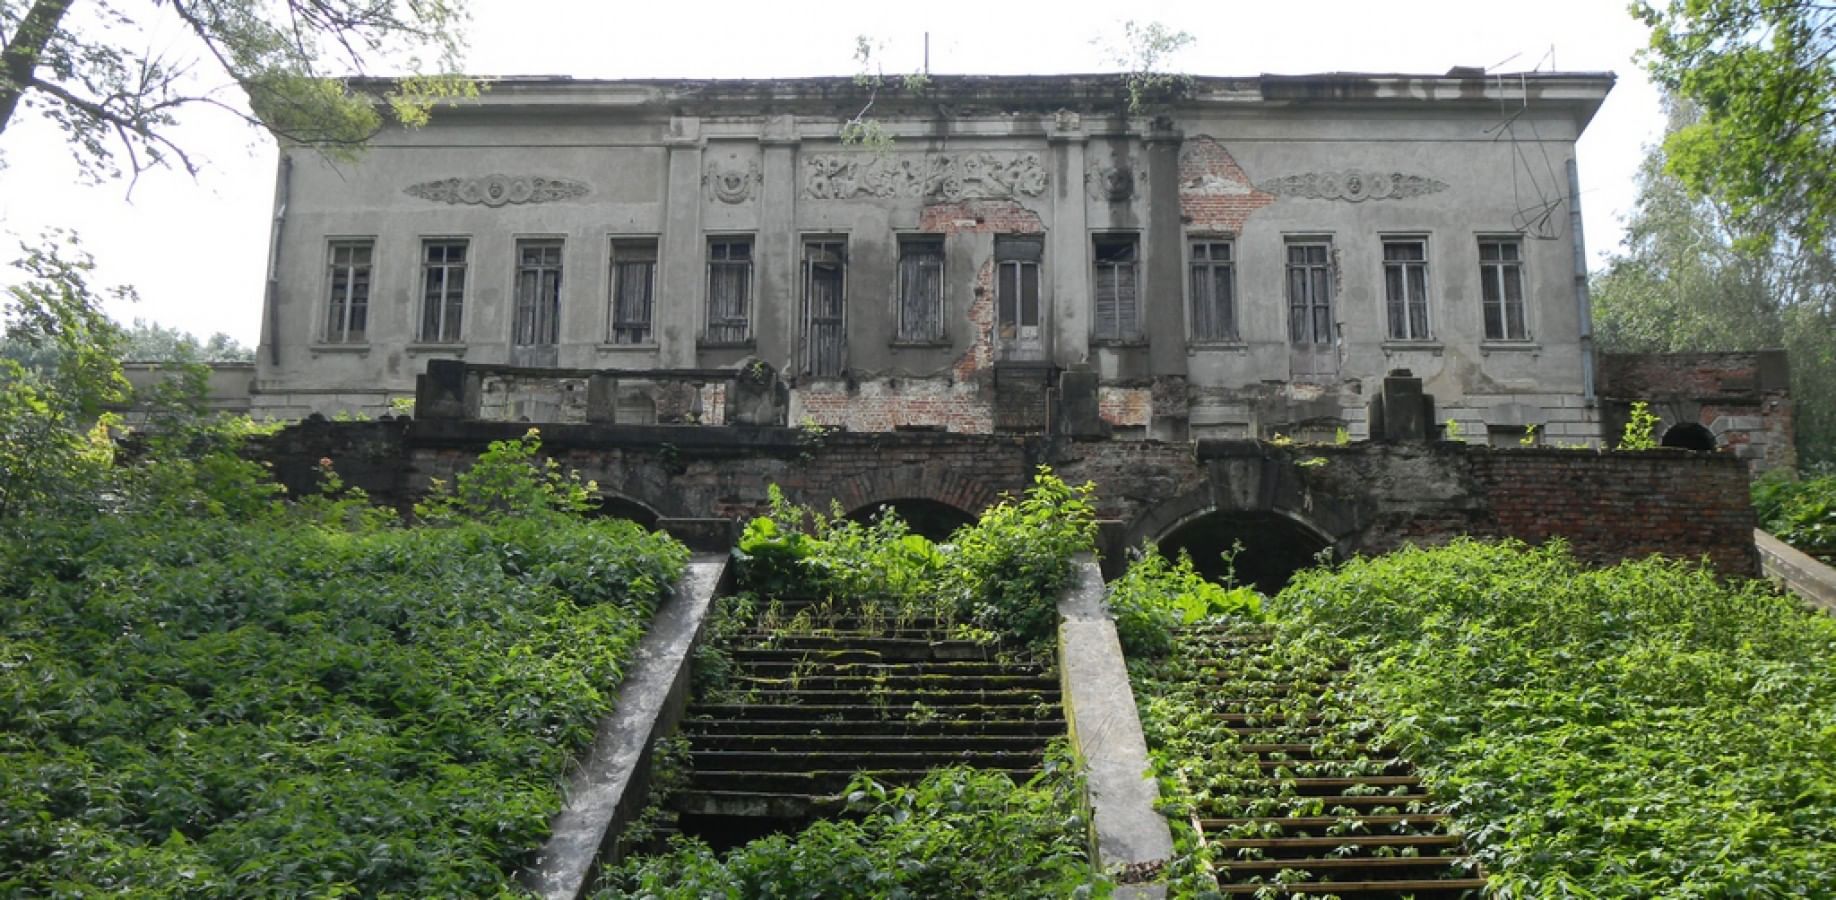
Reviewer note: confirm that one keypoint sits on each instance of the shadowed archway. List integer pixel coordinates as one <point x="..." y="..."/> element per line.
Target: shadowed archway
<point x="612" y="506"/>
<point x="1690" y="436"/>
<point x="1274" y="546"/>
<point x="934" y="519"/>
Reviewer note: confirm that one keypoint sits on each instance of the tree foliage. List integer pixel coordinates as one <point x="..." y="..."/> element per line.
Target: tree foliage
<point x="88" y="68"/>
<point x="1763" y="73"/>
<point x="152" y="342"/>
<point x="1691" y="277"/>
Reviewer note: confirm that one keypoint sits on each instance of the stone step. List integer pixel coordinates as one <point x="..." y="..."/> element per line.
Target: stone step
<point x="1347" y="868"/>
<point x="888" y="644"/>
<point x="855" y="759"/>
<point x="784" y="668"/>
<point x="907" y="651"/>
<point x="1319" y="825"/>
<point x="814" y="782"/>
<point x="1343" y="846"/>
<point x="871" y="743"/>
<point x="862" y="684"/>
<point x="1412" y="888"/>
<point x="855" y="712"/>
<point x="755" y="804"/>
<point x="905" y="698"/>
<point x="1041" y="729"/>
<point x="1330" y="804"/>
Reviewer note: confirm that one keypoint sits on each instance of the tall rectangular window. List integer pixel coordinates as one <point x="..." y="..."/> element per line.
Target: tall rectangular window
<point x="1310" y="292"/>
<point x="1017" y="290"/>
<point x="1117" y="293"/>
<point x="729" y="289"/>
<point x="1501" y="289"/>
<point x="1405" y="288"/>
<point x="1214" y="301"/>
<point x="825" y="285"/>
<point x="538" y="293"/>
<point x="443" y="264"/>
<point x="921" y="303"/>
<point x="634" y="280"/>
<point x="348" y="317"/>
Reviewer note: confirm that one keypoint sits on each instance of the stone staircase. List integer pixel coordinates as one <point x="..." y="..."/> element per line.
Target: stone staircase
<point x="810" y="704"/>
<point x="1318" y="810"/>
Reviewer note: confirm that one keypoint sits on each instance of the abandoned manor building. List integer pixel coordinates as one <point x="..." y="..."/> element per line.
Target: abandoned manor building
<point x="1239" y="257"/>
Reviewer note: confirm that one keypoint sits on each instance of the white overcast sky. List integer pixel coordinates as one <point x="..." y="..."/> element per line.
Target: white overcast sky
<point x="195" y="249"/>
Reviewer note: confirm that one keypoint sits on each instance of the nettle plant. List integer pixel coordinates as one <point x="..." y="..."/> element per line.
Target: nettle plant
<point x="1001" y="574"/>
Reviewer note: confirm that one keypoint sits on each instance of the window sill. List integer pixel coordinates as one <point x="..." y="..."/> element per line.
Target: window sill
<point x="649" y="346"/>
<point x="705" y="344"/>
<point x="340" y="348"/>
<point x="1488" y="347"/>
<point x="920" y="345"/>
<point x="1120" y="343"/>
<point x="1434" y="347"/>
<point x="1196" y="346"/>
<point x="455" y="349"/>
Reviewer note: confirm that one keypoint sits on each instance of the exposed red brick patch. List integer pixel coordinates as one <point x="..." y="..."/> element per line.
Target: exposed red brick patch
<point x="1214" y="192"/>
<point x="979" y="217"/>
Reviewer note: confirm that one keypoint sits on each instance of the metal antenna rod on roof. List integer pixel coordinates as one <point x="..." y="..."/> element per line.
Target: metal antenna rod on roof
<point x="927" y="54"/>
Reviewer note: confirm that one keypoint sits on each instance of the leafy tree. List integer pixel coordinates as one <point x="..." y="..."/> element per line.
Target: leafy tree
<point x="1763" y="73"/>
<point x="1694" y="275"/>
<point x="152" y="342"/>
<point x="85" y="67"/>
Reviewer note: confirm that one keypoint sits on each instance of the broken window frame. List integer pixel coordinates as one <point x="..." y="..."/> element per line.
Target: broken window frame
<point x="729" y="290"/>
<point x="1213" y="269"/>
<point x="920" y="313"/>
<point x="1018" y="304"/>
<point x="1504" y="313"/>
<point x="632" y="306"/>
<point x="1310" y="291"/>
<point x="443" y="284"/>
<point x="1405" y="288"/>
<point x="1115" y="290"/>
<point x="825" y="305"/>
<point x="350" y="269"/>
<point x="539" y="266"/>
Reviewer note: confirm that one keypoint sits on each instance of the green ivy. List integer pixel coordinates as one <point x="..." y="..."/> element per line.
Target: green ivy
<point x="1156" y="596"/>
<point x="959" y="833"/>
<point x="1643" y="730"/>
<point x="1801" y="513"/>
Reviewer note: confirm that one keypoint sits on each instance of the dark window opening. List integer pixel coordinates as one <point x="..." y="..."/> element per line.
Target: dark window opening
<point x="634" y="280"/>
<point x="1309" y="293"/>
<point x="825" y="282"/>
<point x="443" y="269"/>
<point x="729" y="290"/>
<point x="1118" y="307"/>
<point x="1214" y="306"/>
<point x="921" y="303"/>
<point x="538" y="294"/>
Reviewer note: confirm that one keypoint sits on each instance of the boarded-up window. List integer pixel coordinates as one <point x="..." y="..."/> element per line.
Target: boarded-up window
<point x="1501" y="286"/>
<point x="1405" y="288"/>
<point x="825" y="282"/>
<point x="1214" y="301"/>
<point x="349" y="278"/>
<point x="1017" y="289"/>
<point x="538" y="293"/>
<point x="1309" y="292"/>
<point x="729" y="290"/>
<point x="1118" y="308"/>
<point x="921" y="303"/>
<point x="634" y="279"/>
<point x="443" y="267"/>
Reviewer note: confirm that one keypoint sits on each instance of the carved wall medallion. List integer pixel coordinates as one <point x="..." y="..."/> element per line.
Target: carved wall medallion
<point x="498" y="190"/>
<point x="1112" y="180"/>
<point x="1354" y="185"/>
<point x="947" y="177"/>
<point x="732" y="182"/>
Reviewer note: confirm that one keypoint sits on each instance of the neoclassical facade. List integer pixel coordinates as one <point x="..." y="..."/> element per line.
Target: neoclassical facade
<point x="1247" y="258"/>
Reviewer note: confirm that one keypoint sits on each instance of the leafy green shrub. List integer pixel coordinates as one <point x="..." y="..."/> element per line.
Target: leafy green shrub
<point x="211" y="693"/>
<point x="1013" y="562"/>
<point x="1640" y="432"/>
<point x="959" y="833"/>
<point x="509" y="478"/>
<point x="1155" y="596"/>
<point x="1801" y="513"/>
<point x="1635" y="731"/>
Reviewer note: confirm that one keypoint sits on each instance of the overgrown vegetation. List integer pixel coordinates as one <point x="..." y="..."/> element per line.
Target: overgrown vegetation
<point x="959" y="833"/>
<point x="1641" y="730"/>
<point x="1801" y="513"/>
<point x="1156" y="596"/>
<point x="1634" y="731"/>
<point x="1003" y="573"/>
<point x="214" y="693"/>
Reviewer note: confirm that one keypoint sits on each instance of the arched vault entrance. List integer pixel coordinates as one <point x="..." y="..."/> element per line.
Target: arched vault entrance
<point x="1690" y="436"/>
<point x="934" y="519"/>
<point x="1274" y="546"/>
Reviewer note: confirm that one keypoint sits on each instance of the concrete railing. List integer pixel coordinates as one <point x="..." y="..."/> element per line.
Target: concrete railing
<point x="1799" y="572"/>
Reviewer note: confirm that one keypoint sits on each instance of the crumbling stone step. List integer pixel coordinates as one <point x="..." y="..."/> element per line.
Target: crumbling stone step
<point x="896" y="682"/>
<point x="871" y="743"/>
<point x="889" y="697"/>
<point x="858" y="712"/>
<point x="1413" y="889"/>
<point x="853" y="759"/>
<point x="1041" y="729"/>
<point x="903" y="651"/>
<point x="817" y="782"/>
<point x="1349" y="846"/>
<point x="1318" y="825"/>
<point x="1349" y="868"/>
<point x="780" y="668"/>
<point x="915" y="647"/>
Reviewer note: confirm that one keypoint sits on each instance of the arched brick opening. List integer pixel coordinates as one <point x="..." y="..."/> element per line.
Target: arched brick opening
<point x="614" y="506"/>
<point x="934" y="519"/>
<point x="1275" y="544"/>
<point x="1690" y="436"/>
<point x="937" y="484"/>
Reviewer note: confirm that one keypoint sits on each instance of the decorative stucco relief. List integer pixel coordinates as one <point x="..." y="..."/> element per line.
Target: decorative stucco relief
<point x="732" y="182"/>
<point x="1354" y="185"/>
<point x="498" y="190"/>
<point x="939" y="176"/>
<point x="1111" y="179"/>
